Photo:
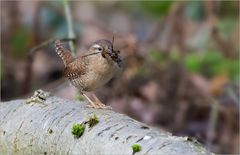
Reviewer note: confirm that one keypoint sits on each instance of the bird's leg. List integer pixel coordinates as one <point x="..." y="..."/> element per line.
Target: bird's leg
<point x="92" y="104"/>
<point x="99" y="103"/>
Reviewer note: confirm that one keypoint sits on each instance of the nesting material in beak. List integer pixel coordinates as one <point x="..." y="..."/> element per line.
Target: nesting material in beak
<point x="115" y="57"/>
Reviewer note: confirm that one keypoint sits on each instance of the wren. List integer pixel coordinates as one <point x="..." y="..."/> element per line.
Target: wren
<point x="92" y="70"/>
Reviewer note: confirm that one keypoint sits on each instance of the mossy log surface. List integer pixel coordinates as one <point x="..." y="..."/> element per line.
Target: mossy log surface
<point x="45" y="128"/>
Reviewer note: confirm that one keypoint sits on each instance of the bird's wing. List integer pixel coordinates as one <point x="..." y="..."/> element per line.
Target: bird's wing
<point x="75" y="69"/>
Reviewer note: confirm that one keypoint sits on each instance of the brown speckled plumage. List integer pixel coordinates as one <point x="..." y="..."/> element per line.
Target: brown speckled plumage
<point x="64" y="53"/>
<point x="89" y="71"/>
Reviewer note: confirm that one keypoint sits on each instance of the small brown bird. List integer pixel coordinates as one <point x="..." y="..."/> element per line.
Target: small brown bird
<point x="92" y="70"/>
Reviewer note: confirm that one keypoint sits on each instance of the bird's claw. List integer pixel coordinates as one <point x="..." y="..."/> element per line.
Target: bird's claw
<point x="99" y="106"/>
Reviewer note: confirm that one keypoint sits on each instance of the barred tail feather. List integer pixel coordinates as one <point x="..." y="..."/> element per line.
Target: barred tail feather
<point x="63" y="53"/>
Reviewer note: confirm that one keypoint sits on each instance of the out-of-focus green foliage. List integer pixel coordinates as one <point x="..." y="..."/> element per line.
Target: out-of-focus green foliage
<point x="209" y="64"/>
<point x="56" y="22"/>
<point x="51" y="18"/>
<point x="212" y="63"/>
<point x="232" y="66"/>
<point x="229" y="8"/>
<point x="19" y="42"/>
<point x="155" y="8"/>
<point x="154" y="55"/>
<point x="194" y="10"/>
<point x="192" y="62"/>
<point x="174" y="56"/>
<point x="161" y="58"/>
<point x="226" y="26"/>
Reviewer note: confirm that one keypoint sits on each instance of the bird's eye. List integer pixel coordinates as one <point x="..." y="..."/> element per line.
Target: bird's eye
<point x="100" y="49"/>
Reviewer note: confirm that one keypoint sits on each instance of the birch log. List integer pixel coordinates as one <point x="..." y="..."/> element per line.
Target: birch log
<point x="45" y="128"/>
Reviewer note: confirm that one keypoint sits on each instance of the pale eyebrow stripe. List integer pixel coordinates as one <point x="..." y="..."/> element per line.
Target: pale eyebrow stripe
<point x="96" y="46"/>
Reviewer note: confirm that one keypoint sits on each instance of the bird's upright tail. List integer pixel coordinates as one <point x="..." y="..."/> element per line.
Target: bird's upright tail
<point x="63" y="53"/>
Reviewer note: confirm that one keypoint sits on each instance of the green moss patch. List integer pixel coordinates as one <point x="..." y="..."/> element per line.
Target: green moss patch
<point x="136" y="148"/>
<point x="78" y="130"/>
<point x="92" y="121"/>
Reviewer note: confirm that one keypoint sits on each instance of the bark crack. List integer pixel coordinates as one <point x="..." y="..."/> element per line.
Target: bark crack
<point x="106" y="129"/>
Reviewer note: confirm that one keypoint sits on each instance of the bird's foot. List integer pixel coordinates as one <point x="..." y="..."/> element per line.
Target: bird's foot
<point x="98" y="105"/>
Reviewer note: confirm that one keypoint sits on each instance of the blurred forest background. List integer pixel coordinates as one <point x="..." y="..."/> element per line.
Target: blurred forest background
<point x="181" y="60"/>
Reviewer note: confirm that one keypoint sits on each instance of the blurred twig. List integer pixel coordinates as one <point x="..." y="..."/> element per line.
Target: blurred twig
<point x="71" y="33"/>
<point x="30" y="57"/>
<point x="43" y="44"/>
<point x="212" y="122"/>
<point x="232" y="95"/>
<point x="47" y="42"/>
<point x="226" y="46"/>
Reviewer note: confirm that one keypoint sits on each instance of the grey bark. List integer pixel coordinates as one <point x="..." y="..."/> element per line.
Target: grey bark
<point x="45" y="128"/>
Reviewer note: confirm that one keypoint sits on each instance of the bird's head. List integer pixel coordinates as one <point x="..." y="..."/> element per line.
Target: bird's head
<point x="105" y="47"/>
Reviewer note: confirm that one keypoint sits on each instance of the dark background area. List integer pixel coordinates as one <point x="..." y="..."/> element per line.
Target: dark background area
<point x="181" y="61"/>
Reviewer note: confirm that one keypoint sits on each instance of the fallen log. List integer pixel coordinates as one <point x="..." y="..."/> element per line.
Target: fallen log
<point x="45" y="126"/>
